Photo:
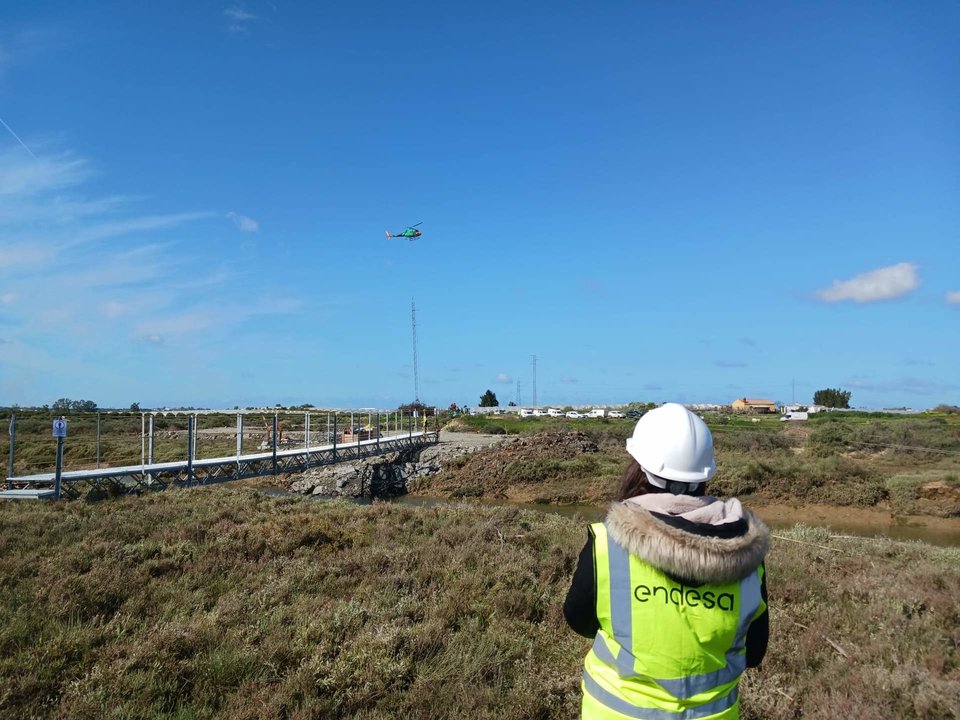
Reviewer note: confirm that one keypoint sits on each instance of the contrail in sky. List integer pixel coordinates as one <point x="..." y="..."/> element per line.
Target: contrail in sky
<point x="10" y="130"/>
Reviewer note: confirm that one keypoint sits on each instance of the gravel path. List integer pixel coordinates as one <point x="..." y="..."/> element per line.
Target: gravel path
<point x="471" y="439"/>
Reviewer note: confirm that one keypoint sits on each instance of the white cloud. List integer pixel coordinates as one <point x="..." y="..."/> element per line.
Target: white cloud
<point x="44" y="223"/>
<point x="238" y="18"/>
<point x="953" y="297"/>
<point x="909" y="385"/>
<point x="24" y="175"/>
<point x="154" y="339"/>
<point x="200" y="319"/>
<point x="244" y="223"/>
<point x="503" y="378"/>
<point x="103" y="231"/>
<point x="884" y="283"/>
<point x="13" y="255"/>
<point x="114" y="309"/>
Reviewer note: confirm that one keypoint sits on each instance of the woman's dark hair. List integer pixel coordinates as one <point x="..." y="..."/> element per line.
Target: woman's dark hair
<point x="635" y="483"/>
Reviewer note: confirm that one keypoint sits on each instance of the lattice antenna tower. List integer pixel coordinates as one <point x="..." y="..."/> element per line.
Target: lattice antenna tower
<point x="535" y="381"/>
<point x="416" y="360"/>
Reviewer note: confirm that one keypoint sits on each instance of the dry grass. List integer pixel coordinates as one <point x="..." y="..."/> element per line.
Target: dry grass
<point x="220" y="603"/>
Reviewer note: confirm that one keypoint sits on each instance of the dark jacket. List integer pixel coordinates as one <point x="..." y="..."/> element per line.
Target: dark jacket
<point x="689" y="553"/>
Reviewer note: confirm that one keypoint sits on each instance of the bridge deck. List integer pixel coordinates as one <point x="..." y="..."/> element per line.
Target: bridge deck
<point x="26" y="494"/>
<point x="323" y="452"/>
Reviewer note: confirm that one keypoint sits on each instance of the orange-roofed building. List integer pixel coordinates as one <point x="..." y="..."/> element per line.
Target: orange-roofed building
<point x="754" y="405"/>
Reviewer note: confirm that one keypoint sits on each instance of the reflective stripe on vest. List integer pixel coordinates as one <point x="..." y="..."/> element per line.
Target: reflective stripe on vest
<point x="615" y="611"/>
<point x="618" y="704"/>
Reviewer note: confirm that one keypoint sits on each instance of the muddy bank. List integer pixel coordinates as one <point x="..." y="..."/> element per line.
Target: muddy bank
<point x="389" y="475"/>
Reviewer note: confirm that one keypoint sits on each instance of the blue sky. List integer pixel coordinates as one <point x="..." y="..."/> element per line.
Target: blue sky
<point x="661" y="201"/>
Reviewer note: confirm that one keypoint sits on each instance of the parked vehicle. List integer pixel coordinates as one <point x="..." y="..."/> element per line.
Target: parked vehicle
<point x="554" y="412"/>
<point x="615" y="414"/>
<point x="596" y="412"/>
<point x="574" y="414"/>
<point x="796" y="415"/>
<point x="539" y="413"/>
<point x="634" y="414"/>
<point x="524" y="412"/>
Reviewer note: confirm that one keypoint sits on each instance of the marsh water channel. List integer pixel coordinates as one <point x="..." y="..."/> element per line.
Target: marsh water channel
<point x="861" y="522"/>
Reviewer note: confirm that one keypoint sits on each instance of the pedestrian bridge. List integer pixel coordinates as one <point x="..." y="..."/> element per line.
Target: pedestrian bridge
<point x="185" y="473"/>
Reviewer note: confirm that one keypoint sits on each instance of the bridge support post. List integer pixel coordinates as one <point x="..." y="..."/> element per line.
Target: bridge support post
<point x="273" y="449"/>
<point x="189" y="449"/>
<point x="239" y="441"/>
<point x="150" y="445"/>
<point x="334" y="437"/>
<point x="56" y="477"/>
<point x="143" y="447"/>
<point x="378" y="432"/>
<point x="13" y="439"/>
<point x="98" y="441"/>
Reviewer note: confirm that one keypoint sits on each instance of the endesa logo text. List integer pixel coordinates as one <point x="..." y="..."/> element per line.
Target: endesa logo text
<point x="684" y="597"/>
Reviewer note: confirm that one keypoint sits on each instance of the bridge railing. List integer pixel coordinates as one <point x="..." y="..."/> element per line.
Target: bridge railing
<point x="104" y="440"/>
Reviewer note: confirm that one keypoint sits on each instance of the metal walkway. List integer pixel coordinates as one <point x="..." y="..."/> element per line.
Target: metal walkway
<point x="185" y="473"/>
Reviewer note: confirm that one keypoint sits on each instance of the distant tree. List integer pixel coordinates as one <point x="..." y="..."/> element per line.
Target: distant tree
<point x="489" y="399"/>
<point x="67" y="405"/>
<point x="135" y="407"/>
<point x="948" y="409"/>
<point x="832" y="398"/>
<point x="511" y="404"/>
<point x="416" y="406"/>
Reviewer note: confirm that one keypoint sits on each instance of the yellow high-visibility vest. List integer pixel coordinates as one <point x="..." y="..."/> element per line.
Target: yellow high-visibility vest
<point x="665" y="651"/>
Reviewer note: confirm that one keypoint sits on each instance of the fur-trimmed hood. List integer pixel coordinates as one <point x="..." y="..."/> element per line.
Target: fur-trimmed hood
<point x="683" y="554"/>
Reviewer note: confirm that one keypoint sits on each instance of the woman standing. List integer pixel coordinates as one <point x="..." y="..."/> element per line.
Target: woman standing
<point x="671" y="586"/>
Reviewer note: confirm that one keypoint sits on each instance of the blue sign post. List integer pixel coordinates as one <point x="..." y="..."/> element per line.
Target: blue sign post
<point x="59" y="432"/>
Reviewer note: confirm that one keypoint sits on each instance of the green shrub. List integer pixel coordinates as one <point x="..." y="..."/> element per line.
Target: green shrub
<point x="829" y="438"/>
<point x="835" y="480"/>
<point x="902" y="491"/>
<point x="754" y="441"/>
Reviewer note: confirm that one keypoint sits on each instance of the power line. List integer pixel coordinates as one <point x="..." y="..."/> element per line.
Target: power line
<point x="416" y="369"/>
<point x="904" y="447"/>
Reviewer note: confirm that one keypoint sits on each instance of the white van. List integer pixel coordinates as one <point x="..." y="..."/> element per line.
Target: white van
<point x="597" y="412"/>
<point x="524" y="412"/>
<point x="553" y="412"/>
<point x="793" y="415"/>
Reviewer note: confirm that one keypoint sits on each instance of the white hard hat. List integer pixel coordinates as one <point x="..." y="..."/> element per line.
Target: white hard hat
<point x="673" y="444"/>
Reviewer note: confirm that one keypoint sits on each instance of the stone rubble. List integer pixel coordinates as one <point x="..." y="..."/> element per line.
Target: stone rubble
<point x="388" y="475"/>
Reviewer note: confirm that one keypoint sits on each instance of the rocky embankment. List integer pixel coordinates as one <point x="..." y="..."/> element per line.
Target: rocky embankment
<point x="550" y="467"/>
<point x="394" y="473"/>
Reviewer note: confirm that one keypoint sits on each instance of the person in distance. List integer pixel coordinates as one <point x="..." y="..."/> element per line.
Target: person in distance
<point x="671" y="586"/>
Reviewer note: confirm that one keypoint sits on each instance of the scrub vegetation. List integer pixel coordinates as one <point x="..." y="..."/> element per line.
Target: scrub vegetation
<point x="223" y="603"/>
<point x="907" y="464"/>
